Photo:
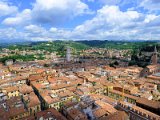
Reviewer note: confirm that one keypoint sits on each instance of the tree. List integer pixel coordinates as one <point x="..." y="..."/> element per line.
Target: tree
<point x="111" y="65"/>
<point x="116" y="63"/>
<point x="46" y="65"/>
<point x="94" y="83"/>
<point x="79" y="84"/>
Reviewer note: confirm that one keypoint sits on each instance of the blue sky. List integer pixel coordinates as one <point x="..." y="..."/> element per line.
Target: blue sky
<point x="39" y="20"/>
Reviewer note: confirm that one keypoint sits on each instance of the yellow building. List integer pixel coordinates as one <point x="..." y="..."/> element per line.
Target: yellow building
<point x="66" y="95"/>
<point x="15" y="111"/>
<point x="107" y="87"/>
<point x="32" y="103"/>
<point x="122" y="96"/>
<point x="18" y="116"/>
<point x="12" y="91"/>
<point x="50" y="102"/>
<point x="99" y="89"/>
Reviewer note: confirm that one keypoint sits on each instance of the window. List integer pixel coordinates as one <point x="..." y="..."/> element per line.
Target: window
<point x="30" y="110"/>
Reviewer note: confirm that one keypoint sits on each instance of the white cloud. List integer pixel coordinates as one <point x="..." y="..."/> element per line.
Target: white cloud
<point x="34" y="29"/>
<point x="11" y="34"/>
<point x="110" y="2"/>
<point x="111" y="23"/>
<point x="150" y="4"/>
<point x="53" y="30"/>
<point x="49" y="11"/>
<point x="6" y="9"/>
<point x="154" y="22"/>
<point x="109" y="17"/>
<point x="53" y="11"/>
<point x="150" y="18"/>
<point x="91" y="0"/>
<point x="20" y="19"/>
<point x="60" y="33"/>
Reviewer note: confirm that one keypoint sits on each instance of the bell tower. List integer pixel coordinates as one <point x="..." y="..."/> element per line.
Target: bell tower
<point x="68" y="54"/>
<point x="154" y="58"/>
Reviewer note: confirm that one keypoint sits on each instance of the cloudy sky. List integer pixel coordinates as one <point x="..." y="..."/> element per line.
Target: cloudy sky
<point x="39" y="20"/>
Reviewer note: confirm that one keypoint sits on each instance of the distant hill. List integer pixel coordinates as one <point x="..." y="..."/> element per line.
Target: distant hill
<point x="142" y="45"/>
<point x="85" y="44"/>
<point x="136" y="47"/>
<point x="55" y="46"/>
<point x="94" y="43"/>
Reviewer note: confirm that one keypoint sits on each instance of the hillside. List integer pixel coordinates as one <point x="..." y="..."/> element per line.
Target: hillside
<point x="77" y="46"/>
<point x="60" y="46"/>
<point x="121" y="44"/>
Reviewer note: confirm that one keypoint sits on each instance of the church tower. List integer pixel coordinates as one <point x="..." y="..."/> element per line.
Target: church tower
<point x="68" y="54"/>
<point x="154" y="58"/>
